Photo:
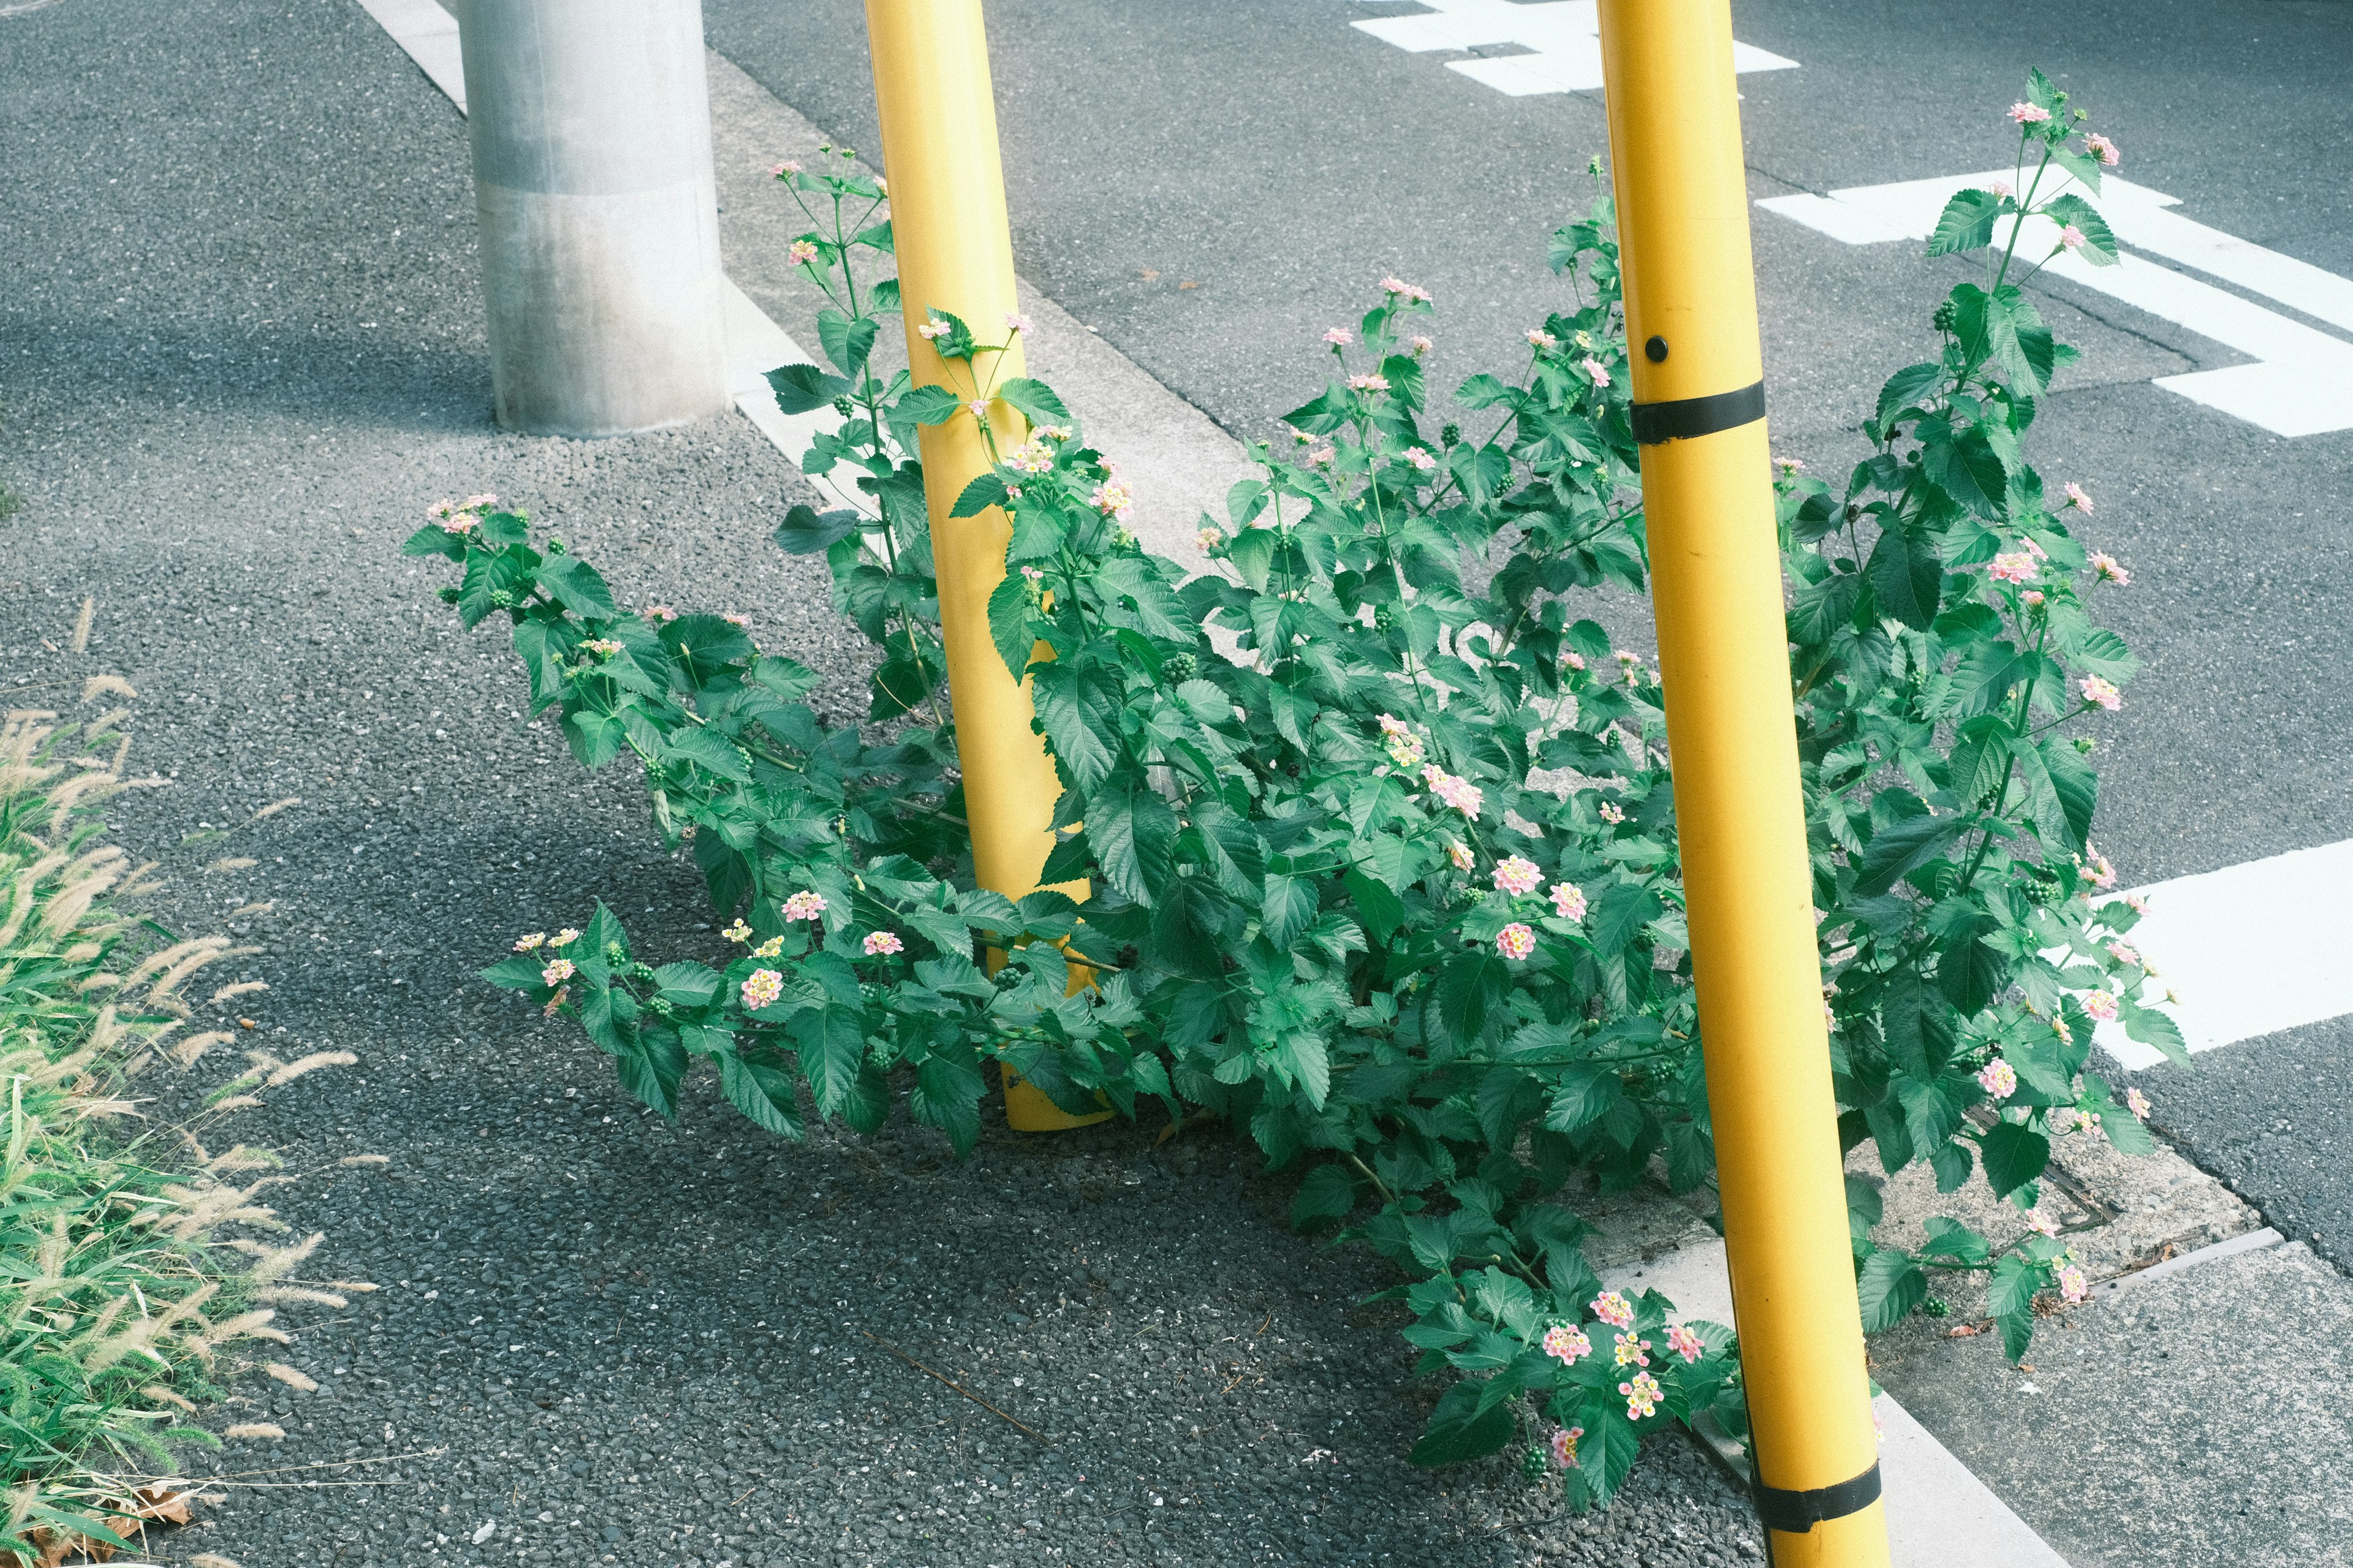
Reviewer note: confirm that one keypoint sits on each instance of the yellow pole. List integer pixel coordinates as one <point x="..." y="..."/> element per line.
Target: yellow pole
<point x="1698" y="374"/>
<point x="955" y="253"/>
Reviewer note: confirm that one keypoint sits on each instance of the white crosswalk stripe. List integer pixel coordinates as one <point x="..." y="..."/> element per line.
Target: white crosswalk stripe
<point x="1563" y="38"/>
<point x="2301" y="380"/>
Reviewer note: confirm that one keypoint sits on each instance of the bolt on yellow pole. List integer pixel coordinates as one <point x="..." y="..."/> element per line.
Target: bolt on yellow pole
<point x="1699" y="415"/>
<point x="955" y="248"/>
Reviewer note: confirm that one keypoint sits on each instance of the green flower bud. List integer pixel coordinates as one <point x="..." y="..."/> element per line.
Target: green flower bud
<point x="503" y="599"/>
<point x="659" y="1008"/>
<point x="615" y="954"/>
<point x="449" y="595"/>
<point x="1385" y="615"/>
<point x="1006" y="978"/>
<point x="1936" y="1307"/>
<point x="1533" y="1463"/>
<point x="1450" y="436"/>
<point x="1179" y="667"/>
<point x="1942" y="316"/>
<point x="843" y="406"/>
<point x="555" y="546"/>
<point x="2084" y="743"/>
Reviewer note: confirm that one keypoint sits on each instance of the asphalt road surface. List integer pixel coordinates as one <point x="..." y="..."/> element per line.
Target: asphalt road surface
<point x="1211" y="187"/>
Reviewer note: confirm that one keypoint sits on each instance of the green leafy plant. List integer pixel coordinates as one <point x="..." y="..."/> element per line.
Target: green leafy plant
<point x="127" y="1267"/>
<point x="1379" y="830"/>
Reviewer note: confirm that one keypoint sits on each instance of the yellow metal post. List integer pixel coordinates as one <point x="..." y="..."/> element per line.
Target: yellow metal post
<point x="1698" y="370"/>
<point x="955" y="253"/>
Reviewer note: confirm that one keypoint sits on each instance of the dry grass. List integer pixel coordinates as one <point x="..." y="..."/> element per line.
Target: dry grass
<point x="136" y="1267"/>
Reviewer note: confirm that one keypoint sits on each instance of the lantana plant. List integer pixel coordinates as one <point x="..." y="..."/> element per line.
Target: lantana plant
<point x="1380" y="840"/>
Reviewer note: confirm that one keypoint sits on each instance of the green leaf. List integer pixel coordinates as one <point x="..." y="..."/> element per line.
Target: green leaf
<point x="1327" y="1194"/>
<point x="1036" y="400"/>
<point x="1010" y="623"/>
<point x="846" y="342"/>
<point x="946" y="1094"/>
<point x="575" y="585"/>
<point x="800" y="388"/>
<point x="1889" y="1287"/>
<point x="1966" y="223"/>
<point x="1073" y="728"/>
<point x="928" y="406"/>
<point x="1901" y="847"/>
<point x="2013" y="1156"/>
<point x="1460" y="1428"/>
<point x="1906" y="575"/>
<point x="987" y="492"/>
<point x="807" y="532"/>
<point x="1382" y="910"/>
<point x="2157" y="1029"/>
<point x="1292" y="905"/>
<point x="832" y="1044"/>
<point x="433" y="540"/>
<point x="2099" y="240"/>
<point x="769" y="1096"/>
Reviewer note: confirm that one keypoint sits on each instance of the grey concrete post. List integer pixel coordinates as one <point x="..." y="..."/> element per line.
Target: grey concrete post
<point x="591" y="127"/>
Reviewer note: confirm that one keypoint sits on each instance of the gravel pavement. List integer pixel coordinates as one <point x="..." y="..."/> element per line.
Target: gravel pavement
<point x="240" y="350"/>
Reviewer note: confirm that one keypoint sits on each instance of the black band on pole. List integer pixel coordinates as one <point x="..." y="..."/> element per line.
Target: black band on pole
<point x="1795" y="1513"/>
<point x="1688" y="417"/>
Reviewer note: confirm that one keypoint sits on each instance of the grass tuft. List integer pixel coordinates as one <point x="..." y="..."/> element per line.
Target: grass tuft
<point x="131" y="1280"/>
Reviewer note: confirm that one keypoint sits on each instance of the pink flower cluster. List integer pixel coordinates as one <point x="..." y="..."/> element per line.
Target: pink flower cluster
<point x="557" y="971"/>
<point x="1998" y="1079"/>
<point x="1369" y="383"/>
<point x="2103" y="149"/>
<point x="1113" y="498"/>
<point x="2096" y="866"/>
<point x="1017" y="322"/>
<point x="805" y="905"/>
<point x="2013" y="566"/>
<point x="1516" y="941"/>
<point x="1421" y="458"/>
<point x="800" y="253"/>
<point x="1565" y="1343"/>
<point x="2100" y="1006"/>
<point x="1459" y="792"/>
<point x="1419" y="345"/>
<point x="1595" y="370"/>
<point x="1613" y="813"/>
<point x="1516" y="875"/>
<point x="1402" y="744"/>
<point x="761" y="987"/>
<point x="526" y="942"/>
<point x="1460" y="853"/>
<point x="1339" y="337"/>
<point x="2107" y="569"/>
<point x="1684" y="1342"/>
<point x="929" y="330"/>
<point x="1642" y="1396"/>
<point x="2073" y="1286"/>
<point x="2101" y="691"/>
<point x="1567" y="900"/>
<point x="2137" y="1103"/>
<point x="879" y="942"/>
<point x="1564" y="1446"/>
<point x="1613" y="1310"/>
<point x="2028" y="114"/>
<point x="1632" y="1351"/>
<point x="1540" y="339"/>
<point x="1413" y="291"/>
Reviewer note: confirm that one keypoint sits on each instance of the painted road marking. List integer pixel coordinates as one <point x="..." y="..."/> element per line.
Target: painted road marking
<point x="1562" y="38"/>
<point x="1939" y="1515"/>
<point x="2301" y="383"/>
<point x="430" y="34"/>
<point x="2251" y="950"/>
